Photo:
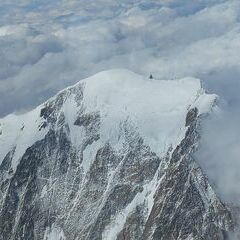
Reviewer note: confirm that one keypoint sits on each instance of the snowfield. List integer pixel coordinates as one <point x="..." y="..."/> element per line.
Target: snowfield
<point x="157" y="108"/>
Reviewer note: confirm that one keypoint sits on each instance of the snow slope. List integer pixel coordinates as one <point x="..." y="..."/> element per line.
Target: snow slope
<point x="156" y="108"/>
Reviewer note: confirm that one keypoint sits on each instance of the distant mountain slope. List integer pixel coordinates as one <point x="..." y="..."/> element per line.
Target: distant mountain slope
<point x="110" y="158"/>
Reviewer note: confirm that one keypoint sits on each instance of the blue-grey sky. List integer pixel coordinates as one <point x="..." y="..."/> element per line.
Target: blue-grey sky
<point x="46" y="45"/>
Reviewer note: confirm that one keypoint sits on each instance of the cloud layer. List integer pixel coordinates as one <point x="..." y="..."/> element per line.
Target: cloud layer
<point x="47" y="45"/>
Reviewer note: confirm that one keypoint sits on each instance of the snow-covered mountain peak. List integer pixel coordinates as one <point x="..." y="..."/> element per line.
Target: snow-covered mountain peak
<point x="156" y="108"/>
<point x="110" y="157"/>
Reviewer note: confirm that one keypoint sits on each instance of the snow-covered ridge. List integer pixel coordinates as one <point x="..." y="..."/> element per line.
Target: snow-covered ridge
<point x="156" y="108"/>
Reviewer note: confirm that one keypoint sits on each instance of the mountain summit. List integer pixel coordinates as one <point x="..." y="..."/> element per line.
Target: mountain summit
<point x="110" y="158"/>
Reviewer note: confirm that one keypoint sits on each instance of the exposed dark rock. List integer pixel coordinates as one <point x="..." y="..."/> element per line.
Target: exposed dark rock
<point x="191" y="116"/>
<point x="87" y="119"/>
<point x="42" y="126"/>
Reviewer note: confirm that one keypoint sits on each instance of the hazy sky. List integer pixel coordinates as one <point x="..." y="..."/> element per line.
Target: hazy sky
<point x="46" y="45"/>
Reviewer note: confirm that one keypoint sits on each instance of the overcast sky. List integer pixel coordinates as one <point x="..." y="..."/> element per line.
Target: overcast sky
<point x="46" y="45"/>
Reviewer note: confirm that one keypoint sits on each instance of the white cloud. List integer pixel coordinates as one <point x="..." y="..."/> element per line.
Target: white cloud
<point x="220" y="154"/>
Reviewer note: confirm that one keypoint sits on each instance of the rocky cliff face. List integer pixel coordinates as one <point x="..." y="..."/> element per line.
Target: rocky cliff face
<point x="110" y="158"/>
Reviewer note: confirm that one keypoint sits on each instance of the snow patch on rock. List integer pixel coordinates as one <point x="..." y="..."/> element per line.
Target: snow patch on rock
<point x="54" y="233"/>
